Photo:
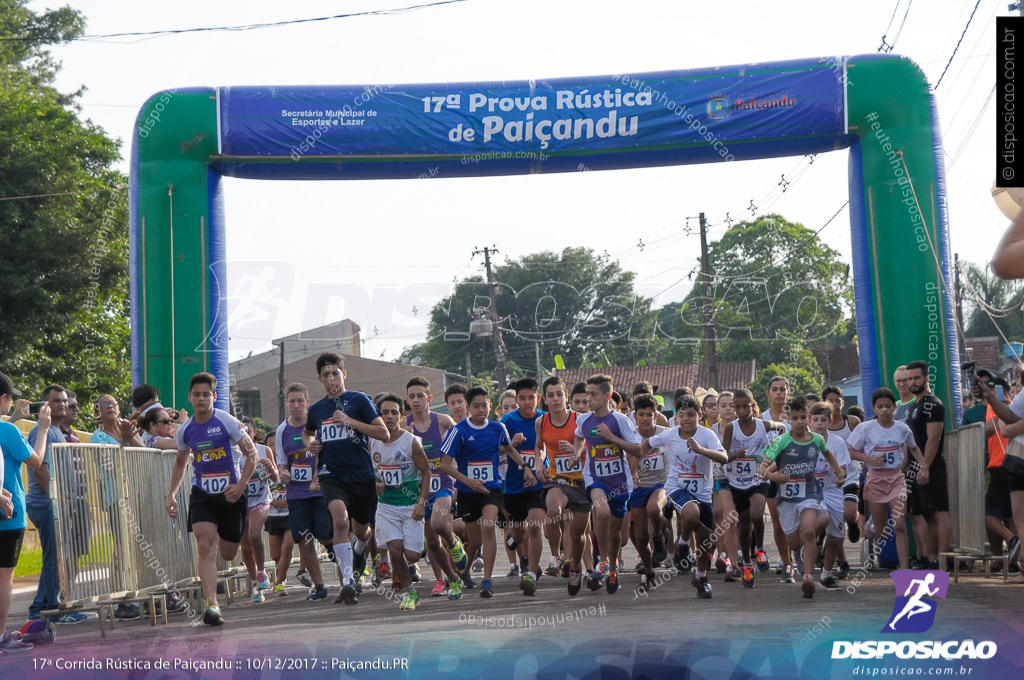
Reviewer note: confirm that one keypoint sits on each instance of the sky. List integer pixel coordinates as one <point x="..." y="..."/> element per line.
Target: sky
<point x="279" y="267"/>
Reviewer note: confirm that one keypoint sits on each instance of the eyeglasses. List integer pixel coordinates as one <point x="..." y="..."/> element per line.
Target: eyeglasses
<point x="902" y="381"/>
<point x="713" y="404"/>
<point x="164" y="421"/>
<point x="73" y="407"/>
<point x="107" y="404"/>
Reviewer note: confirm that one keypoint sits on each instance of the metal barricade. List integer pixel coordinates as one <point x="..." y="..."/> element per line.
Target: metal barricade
<point x="162" y="551"/>
<point x="964" y="451"/>
<point x="92" y="552"/>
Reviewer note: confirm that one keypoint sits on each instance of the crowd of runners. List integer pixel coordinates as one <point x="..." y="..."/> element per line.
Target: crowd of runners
<point x="385" y="485"/>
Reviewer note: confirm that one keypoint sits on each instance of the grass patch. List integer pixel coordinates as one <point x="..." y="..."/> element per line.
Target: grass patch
<point x="30" y="562"/>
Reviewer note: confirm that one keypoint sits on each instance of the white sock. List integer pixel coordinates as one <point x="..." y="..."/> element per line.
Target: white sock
<point x="360" y="546"/>
<point x="343" y="553"/>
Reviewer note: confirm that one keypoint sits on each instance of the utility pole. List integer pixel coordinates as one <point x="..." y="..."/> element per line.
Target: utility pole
<point x="536" y="354"/>
<point x="711" y="356"/>
<point x="496" y="340"/>
<point x="280" y="386"/>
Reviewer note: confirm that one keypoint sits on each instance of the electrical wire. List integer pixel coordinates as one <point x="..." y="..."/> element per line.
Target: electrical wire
<point x="957" y="43"/>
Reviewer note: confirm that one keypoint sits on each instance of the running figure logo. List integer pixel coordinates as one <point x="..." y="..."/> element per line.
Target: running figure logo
<point x="913" y="613"/>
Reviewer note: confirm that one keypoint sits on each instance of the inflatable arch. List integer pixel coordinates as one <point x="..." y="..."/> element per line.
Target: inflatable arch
<point x="878" y="106"/>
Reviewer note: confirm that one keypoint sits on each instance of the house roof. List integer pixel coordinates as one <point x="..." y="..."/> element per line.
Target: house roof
<point x="667" y="377"/>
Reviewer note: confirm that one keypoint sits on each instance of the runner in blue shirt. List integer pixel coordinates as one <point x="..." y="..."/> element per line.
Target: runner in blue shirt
<point x="338" y="430"/>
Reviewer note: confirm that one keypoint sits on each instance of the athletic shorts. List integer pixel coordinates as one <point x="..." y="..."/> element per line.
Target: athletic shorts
<point x="576" y="497"/>
<point x="518" y="505"/>
<point x="395" y="523"/>
<point x="681" y="498"/>
<point x="722" y="485"/>
<point x="927" y="499"/>
<point x="789" y="513"/>
<point x="741" y="497"/>
<point x="471" y="504"/>
<point x="310" y="517"/>
<point x="668" y="511"/>
<point x="265" y="507"/>
<point x="885" y="486"/>
<point x="997" y="494"/>
<point x="277" y="525"/>
<point x="833" y="500"/>
<point x="215" y="509"/>
<point x="852" y="493"/>
<point x="642" y="494"/>
<point x="772" y="491"/>
<point x="1013" y="467"/>
<point x="10" y="548"/>
<point x="443" y="493"/>
<point x="360" y="498"/>
<point x="616" y="504"/>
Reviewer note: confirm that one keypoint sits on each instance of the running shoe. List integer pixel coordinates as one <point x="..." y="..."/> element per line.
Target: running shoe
<point x="211" y="613"/>
<point x="439" y="589"/>
<point x="127" y="612"/>
<point x="262" y="582"/>
<point x="347" y="594"/>
<point x="67" y="619"/>
<point x="175" y="604"/>
<point x="660" y="553"/>
<point x="602" y="567"/>
<point x="458" y="554"/>
<point x="528" y="585"/>
<point x="761" y="559"/>
<point x="303" y="578"/>
<point x="683" y="564"/>
<point x="565" y="569"/>
<point x="1013" y="550"/>
<point x="842" y="571"/>
<point x="524" y="564"/>
<point x="808" y="587"/>
<point x="12" y="643"/>
<point x="575" y="582"/>
<point x="731" y="575"/>
<point x="780" y="567"/>
<point x="554" y="568"/>
<point x="358" y="561"/>
<point x="455" y="590"/>
<point x="317" y="593"/>
<point x="467" y="580"/>
<point x="485" y="588"/>
<point x="257" y="594"/>
<point x="720" y="563"/>
<point x="594" y="580"/>
<point x="787" y="574"/>
<point x="478" y="564"/>
<point x="702" y="586"/>
<point x="409" y="601"/>
<point x="829" y="583"/>
<point x="748" y="577"/>
<point x="853" y="531"/>
<point x="513" y="571"/>
<point x="414" y="573"/>
<point x="645" y="584"/>
<point x="611" y="584"/>
<point x="279" y="589"/>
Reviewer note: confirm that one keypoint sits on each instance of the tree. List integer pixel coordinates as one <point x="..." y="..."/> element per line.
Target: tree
<point x="801" y="381"/>
<point x="64" y="231"/>
<point x="776" y="289"/>
<point x="988" y="301"/>
<point x="574" y="303"/>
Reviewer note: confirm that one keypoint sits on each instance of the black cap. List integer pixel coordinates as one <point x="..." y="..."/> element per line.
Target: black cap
<point x="7" y="387"/>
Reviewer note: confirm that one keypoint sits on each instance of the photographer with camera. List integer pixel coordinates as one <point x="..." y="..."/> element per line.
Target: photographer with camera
<point x="1011" y="468"/>
<point x="14" y="450"/>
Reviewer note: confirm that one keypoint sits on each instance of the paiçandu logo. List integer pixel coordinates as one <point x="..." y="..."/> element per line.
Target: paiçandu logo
<point x="914" y="610"/>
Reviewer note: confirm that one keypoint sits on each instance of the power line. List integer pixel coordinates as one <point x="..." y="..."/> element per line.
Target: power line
<point x="61" y="193"/>
<point x="246" y="27"/>
<point x="957" y="44"/>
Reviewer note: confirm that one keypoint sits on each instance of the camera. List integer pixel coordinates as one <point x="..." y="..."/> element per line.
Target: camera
<point x="33" y="408"/>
